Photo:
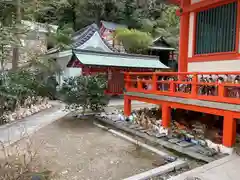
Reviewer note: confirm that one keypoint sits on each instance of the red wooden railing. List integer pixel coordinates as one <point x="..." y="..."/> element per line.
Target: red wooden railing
<point x="210" y="86"/>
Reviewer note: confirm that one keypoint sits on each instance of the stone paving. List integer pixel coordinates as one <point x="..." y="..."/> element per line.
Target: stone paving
<point x="10" y="133"/>
<point x="227" y="168"/>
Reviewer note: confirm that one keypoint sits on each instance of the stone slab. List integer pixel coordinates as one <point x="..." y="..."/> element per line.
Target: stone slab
<point x="227" y="168"/>
<point x="143" y="131"/>
<point x="150" y="133"/>
<point x="204" y="151"/>
<point x="158" y="171"/>
<point x="174" y="140"/>
<point x="139" y="128"/>
<point x="161" y="141"/>
<point x="184" y="144"/>
<point x="134" y="126"/>
<point x="160" y="135"/>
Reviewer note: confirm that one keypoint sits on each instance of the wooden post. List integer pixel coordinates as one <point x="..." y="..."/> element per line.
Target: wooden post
<point x="194" y="91"/>
<point x="184" y="36"/>
<point x="127" y="81"/>
<point x="127" y="106"/>
<point x="172" y="86"/>
<point x="229" y="130"/>
<point x="139" y="84"/>
<point x="154" y="82"/>
<point x="166" y="115"/>
<point x="220" y="90"/>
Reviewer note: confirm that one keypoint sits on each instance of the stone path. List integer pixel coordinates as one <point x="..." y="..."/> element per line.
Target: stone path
<point x="227" y="168"/>
<point x="15" y="131"/>
<point x="10" y="133"/>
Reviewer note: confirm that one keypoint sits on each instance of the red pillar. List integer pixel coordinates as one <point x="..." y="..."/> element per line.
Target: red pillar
<point x="127" y="106"/>
<point x="229" y="130"/>
<point x="166" y="115"/>
<point x="184" y="37"/>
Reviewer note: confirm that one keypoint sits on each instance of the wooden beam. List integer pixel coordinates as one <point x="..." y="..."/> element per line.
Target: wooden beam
<point x="205" y="4"/>
<point x="184" y="36"/>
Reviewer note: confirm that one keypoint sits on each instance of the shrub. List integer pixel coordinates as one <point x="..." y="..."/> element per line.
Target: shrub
<point x="86" y="92"/>
<point x="16" y="87"/>
<point x="134" y="41"/>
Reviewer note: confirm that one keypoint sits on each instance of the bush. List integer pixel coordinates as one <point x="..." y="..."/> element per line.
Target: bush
<point x="86" y="92"/>
<point x="16" y="87"/>
<point x="134" y="41"/>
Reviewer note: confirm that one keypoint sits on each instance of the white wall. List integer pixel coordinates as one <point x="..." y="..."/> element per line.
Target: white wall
<point x="191" y="34"/>
<point x="67" y="72"/>
<point x="211" y="66"/>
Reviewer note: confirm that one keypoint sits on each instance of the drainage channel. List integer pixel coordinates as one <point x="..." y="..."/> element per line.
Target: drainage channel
<point x="156" y="172"/>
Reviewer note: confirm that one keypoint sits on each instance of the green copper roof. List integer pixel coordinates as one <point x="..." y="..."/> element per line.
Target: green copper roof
<point x="118" y="60"/>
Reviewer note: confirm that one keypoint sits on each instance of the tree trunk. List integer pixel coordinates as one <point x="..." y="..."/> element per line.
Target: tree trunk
<point x="74" y="17"/>
<point x="2" y="60"/>
<point x="15" y="58"/>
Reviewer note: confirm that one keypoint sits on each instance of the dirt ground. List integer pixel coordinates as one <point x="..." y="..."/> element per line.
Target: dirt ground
<point x="78" y="150"/>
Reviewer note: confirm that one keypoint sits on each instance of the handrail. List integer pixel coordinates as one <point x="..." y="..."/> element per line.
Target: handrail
<point x="183" y="73"/>
<point x="190" y="86"/>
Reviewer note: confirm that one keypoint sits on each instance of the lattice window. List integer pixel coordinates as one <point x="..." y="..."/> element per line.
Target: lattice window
<point x="216" y="29"/>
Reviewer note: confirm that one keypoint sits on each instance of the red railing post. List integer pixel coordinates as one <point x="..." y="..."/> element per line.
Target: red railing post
<point x="154" y="82"/>
<point x="194" y="85"/>
<point x="172" y="86"/>
<point x="139" y="84"/>
<point x="127" y="81"/>
<point x="220" y="90"/>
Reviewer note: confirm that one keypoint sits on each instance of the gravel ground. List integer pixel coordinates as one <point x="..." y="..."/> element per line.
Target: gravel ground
<point x="78" y="150"/>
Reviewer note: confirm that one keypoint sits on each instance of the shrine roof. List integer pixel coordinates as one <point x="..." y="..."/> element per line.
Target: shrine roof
<point x="82" y="36"/>
<point x="112" y="26"/>
<point x="161" y="44"/>
<point x="93" y="58"/>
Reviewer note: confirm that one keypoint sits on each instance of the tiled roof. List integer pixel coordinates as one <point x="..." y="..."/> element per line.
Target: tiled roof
<point x="161" y="44"/>
<point x="83" y="35"/>
<point x="112" y="26"/>
<point x="94" y="58"/>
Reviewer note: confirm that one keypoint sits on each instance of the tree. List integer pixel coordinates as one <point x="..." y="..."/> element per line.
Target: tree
<point x="61" y="39"/>
<point x="134" y="41"/>
<point x="130" y="14"/>
<point x="7" y="40"/>
<point x="15" y="58"/>
<point x="86" y="92"/>
<point x="167" y="25"/>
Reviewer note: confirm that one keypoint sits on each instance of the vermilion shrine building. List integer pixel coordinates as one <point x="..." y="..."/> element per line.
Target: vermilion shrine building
<point x="209" y="47"/>
<point x="95" y="51"/>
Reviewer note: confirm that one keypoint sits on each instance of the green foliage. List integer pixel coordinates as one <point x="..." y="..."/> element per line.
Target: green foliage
<point x="7" y="39"/>
<point x="156" y="18"/>
<point x="133" y="40"/>
<point x="61" y="39"/>
<point x="86" y="92"/>
<point x="167" y="25"/>
<point x="16" y="87"/>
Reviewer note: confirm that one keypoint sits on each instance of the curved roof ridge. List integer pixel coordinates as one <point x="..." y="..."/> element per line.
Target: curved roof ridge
<point x="86" y="33"/>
